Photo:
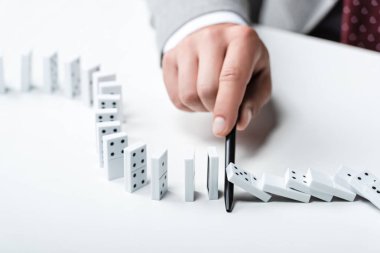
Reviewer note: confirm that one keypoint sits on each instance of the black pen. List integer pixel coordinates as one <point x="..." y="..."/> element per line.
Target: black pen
<point x="229" y="158"/>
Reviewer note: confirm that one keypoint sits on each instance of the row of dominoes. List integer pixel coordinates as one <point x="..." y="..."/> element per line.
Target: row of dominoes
<point x="300" y="186"/>
<point x="76" y="83"/>
<point x="101" y="91"/>
<point x="130" y="161"/>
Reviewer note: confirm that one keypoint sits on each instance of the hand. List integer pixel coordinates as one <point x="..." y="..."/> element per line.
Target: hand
<point x="220" y="68"/>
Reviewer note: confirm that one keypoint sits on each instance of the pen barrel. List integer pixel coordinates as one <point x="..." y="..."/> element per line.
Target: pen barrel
<point x="229" y="157"/>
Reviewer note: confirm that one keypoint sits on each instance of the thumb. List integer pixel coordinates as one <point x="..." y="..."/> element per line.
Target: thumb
<point x="245" y="116"/>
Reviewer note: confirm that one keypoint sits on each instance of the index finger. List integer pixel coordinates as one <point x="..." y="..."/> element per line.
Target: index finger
<point x="236" y="72"/>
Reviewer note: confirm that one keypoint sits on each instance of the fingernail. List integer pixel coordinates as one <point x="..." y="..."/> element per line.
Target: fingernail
<point x="218" y="125"/>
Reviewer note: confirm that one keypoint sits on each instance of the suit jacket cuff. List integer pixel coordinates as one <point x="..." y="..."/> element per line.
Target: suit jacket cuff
<point x="195" y="24"/>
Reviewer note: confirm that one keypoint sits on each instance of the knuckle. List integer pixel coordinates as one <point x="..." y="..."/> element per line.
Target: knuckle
<point x="209" y="33"/>
<point x="185" y="43"/>
<point x="189" y="98"/>
<point x="169" y="59"/>
<point x="207" y="91"/>
<point x="178" y="104"/>
<point x="246" y="32"/>
<point x="230" y="75"/>
<point x="176" y="101"/>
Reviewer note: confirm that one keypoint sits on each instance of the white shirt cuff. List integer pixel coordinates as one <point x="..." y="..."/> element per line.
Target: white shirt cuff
<point x="195" y="24"/>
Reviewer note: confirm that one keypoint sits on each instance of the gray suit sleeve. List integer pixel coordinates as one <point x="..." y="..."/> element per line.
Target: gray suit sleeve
<point x="170" y="15"/>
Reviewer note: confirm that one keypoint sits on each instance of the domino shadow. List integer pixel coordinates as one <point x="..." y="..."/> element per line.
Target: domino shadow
<point x="245" y="197"/>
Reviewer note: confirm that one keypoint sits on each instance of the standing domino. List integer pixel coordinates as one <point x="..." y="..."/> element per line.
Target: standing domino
<point x="108" y="101"/>
<point x="104" y="115"/>
<point x="73" y="78"/>
<point x="26" y="71"/>
<point x="50" y="70"/>
<point x="277" y="185"/>
<point x="247" y="181"/>
<point x="159" y="175"/>
<point x="113" y="153"/>
<point x="135" y="167"/>
<point x="110" y="87"/>
<point x="212" y="173"/>
<point x="102" y="129"/>
<point x="189" y="176"/>
<point x="3" y="88"/>
<point x="300" y="181"/>
<point x="88" y="83"/>
<point x="98" y="78"/>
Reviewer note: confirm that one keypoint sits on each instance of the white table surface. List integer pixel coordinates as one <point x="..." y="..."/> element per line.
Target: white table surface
<point x="54" y="198"/>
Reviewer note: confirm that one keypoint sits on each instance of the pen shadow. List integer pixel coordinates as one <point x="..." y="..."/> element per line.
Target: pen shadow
<point x="197" y="195"/>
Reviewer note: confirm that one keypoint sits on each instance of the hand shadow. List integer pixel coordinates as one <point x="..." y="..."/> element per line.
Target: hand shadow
<point x="250" y="140"/>
<point x="259" y="131"/>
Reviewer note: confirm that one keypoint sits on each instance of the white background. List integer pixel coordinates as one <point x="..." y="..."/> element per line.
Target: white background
<point x="54" y="198"/>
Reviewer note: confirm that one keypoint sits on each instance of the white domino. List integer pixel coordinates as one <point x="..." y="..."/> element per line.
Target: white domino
<point x="368" y="186"/>
<point x="3" y="88"/>
<point x="104" y="115"/>
<point x="276" y="185"/>
<point x="99" y="77"/>
<point x="50" y="72"/>
<point x="247" y="181"/>
<point x="159" y="175"/>
<point x="321" y="182"/>
<point x="113" y="153"/>
<point x="342" y="183"/>
<point x="135" y="167"/>
<point x="344" y="193"/>
<point x="344" y="177"/>
<point x="102" y="129"/>
<point x="189" y="176"/>
<point x="301" y="181"/>
<point x="110" y="87"/>
<point x="88" y="83"/>
<point x="362" y="181"/>
<point x="108" y="101"/>
<point x="212" y="173"/>
<point x="26" y="71"/>
<point x="372" y="193"/>
<point x="297" y="180"/>
<point x="73" y="78"/>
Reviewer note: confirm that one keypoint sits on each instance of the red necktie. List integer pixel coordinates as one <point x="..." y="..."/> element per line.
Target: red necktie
<point x="361" y="23"/>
